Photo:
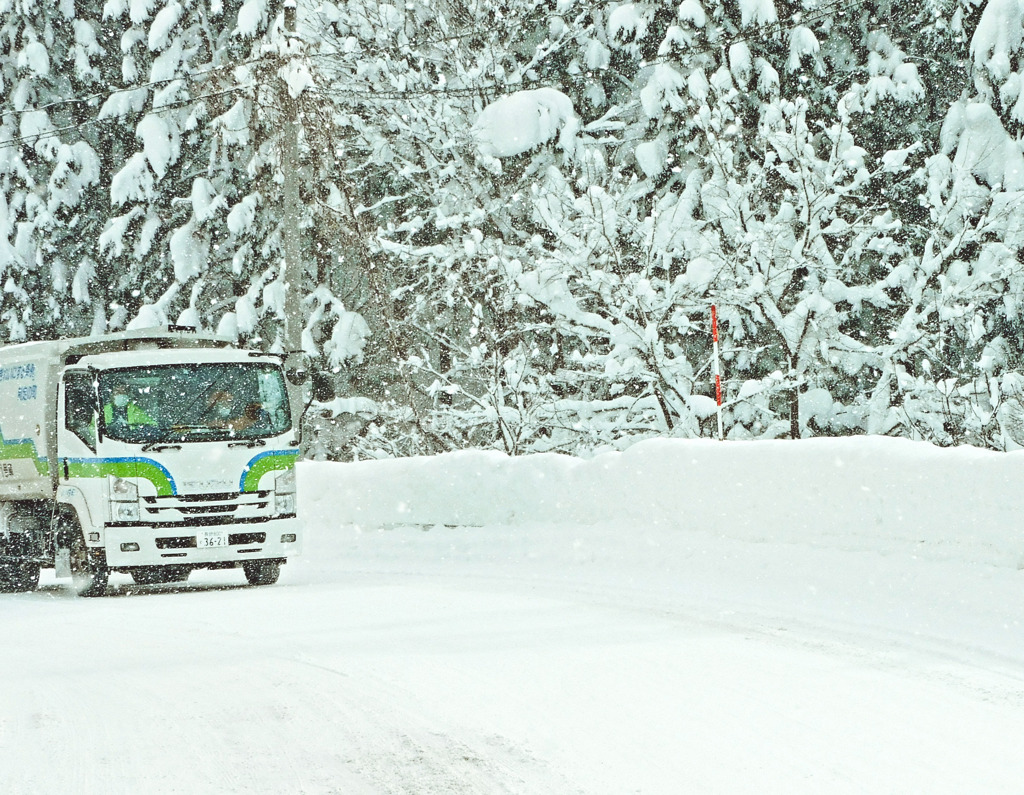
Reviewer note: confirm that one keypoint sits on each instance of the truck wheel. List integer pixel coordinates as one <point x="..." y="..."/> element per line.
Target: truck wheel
<point x="88" y="576"/>
<point x="157" y="575"/>
<point x="19" y="576"/>
<point x="262" y="572"/>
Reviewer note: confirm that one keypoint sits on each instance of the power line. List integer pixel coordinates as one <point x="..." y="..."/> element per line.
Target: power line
<point x="36" y="137"/>
<point x="105" y="96"/>
<point x="760" y="32"/>
<point x="763" y="32"/>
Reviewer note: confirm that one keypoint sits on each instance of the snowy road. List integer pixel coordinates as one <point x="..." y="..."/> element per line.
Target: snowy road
<point x="464" y="660"/>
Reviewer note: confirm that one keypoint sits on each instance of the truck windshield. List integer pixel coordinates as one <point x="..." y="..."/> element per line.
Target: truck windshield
<point x="194" y="402"/>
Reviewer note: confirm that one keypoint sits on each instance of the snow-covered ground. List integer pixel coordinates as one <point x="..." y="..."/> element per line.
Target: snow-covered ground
<point x="818" y="616"/>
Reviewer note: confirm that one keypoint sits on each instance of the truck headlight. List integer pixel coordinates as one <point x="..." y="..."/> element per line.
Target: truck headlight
<point x="123" y="495"/>
<point x="284" y="492"/>
<point x="124" y="511"/>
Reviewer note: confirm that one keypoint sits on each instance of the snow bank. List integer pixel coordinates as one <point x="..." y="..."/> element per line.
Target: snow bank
<point x="860" y="493"/>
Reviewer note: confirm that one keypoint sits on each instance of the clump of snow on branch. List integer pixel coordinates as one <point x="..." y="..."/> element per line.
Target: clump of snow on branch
<point x="296" y="76"/>
<point x="122" y="103"/>
<point x="996" y="42"/>
<point x="652" y="156"/>
<point x="663" y="87"/>
<point x="156" y="313"/>
<point x="134" y="181"/>
<point x="984" y="148"/>
<point x="597" y="55"/>
<point x="148" y="316"/>
<point x="757" y="12"/>
<point x="112" y="238"/>
<point x="159" y="142"/>
<point x="139" y="10"/>
<point x="35" y="59"/>
<point x="740" y="63"/>
<point x="85" y="48"/>
<point x="242" y="215"/>
<point x="188" y="253"/>
<point x="348" y="339"/>
<point x="38" y="130"/>
<point x="163" y="24"/>
<point x="802" y="43"/>
<point x="77" y="167"/>
<point x="629" y="21"/>
<point x="693" y="12"/>
<point x="232" y="126"/>
<point x="250" y="17"/>
<point x="522" y="121"/>
<point x="206" y="202"/>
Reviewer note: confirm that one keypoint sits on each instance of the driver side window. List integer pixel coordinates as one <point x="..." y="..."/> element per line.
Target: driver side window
<point x="80" y="407"/>
<point x="274" y="398"/>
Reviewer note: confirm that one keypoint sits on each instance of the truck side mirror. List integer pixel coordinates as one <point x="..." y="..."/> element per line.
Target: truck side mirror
<point x="323" y="388"/>
<point x="295" y="369"/>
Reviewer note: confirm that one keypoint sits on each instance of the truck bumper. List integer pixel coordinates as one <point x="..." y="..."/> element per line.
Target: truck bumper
<point x="144" y="545"/>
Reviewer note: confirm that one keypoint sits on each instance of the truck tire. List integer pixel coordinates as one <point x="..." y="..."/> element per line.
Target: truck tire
<point x="158" y="575"/>
<point x="88" y="575"/>
<point x="262" y="572"/>
<point x="19" y="576"/>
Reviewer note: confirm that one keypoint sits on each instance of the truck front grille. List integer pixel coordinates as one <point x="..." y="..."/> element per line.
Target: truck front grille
<point x="208" y="509"/>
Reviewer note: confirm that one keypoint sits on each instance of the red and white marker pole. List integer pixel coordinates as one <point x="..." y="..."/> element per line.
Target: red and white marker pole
<point x="718" y="371"/>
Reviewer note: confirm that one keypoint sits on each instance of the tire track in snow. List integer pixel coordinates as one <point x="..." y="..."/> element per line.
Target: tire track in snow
<point x="399" y="747"/>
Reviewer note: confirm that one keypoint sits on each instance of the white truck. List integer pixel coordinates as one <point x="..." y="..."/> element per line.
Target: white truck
<point x="152" y="452"/>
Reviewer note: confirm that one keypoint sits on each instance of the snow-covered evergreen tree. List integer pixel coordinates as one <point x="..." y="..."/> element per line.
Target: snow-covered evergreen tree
<point x="672" y="172"/>
<point x="956" y="349"/>
<point x="53" y="166"/>
<point x="163" y="200"/>
<point x="515" y="217"/>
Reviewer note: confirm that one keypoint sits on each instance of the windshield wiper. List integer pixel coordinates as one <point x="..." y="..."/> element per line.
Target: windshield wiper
<point x="158" y="446"/>
<point x="248" y="443"/>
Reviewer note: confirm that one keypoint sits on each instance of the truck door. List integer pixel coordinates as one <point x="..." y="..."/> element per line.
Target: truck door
<point x="77" y="434"/>
<point x="77" y="456"/>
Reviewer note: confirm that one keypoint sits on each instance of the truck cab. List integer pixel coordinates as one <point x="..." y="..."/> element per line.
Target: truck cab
<point x="150" y="453"/>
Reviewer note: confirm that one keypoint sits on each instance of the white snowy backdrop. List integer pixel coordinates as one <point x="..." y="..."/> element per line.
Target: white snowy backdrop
<point x="892" y="496"/>
<point x="827" y="615"/>
<point x="516" y="216"/>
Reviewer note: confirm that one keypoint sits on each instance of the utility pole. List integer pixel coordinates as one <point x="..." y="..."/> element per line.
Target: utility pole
<point x="292" y="271"/>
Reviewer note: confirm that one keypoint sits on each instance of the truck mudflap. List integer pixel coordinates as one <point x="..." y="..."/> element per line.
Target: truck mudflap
<point x="217" y="546"/>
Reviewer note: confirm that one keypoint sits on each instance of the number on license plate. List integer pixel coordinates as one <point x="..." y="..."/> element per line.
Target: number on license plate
<point x="211" y="538"/>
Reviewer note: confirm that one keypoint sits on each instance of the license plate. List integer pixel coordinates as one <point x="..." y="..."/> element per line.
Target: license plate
<point x="211" y="538"/>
